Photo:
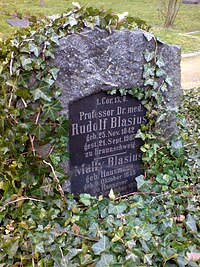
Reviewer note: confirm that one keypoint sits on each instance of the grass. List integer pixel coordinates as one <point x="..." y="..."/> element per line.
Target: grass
<point x="187" y="20"/>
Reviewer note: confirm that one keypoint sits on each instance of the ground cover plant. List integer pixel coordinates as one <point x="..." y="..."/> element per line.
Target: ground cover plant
<point x="40" y="224"/>
<point x="186" y="21"/>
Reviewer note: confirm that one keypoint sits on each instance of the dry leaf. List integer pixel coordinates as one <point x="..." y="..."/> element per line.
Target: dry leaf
<point x="76" y="229"/>
<point x="193" y="256"/>
<point x="179" y="218"/>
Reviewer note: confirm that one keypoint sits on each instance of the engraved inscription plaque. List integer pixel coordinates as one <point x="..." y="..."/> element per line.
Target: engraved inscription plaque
<point x="103" y="150"/>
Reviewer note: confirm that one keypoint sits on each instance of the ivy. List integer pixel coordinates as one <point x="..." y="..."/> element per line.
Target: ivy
<point x="41" y="225"/>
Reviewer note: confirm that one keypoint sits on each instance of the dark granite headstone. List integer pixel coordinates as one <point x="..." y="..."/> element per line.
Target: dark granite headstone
<point x="103" y="150"/>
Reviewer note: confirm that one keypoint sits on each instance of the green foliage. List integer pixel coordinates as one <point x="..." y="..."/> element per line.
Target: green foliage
<point x="39" y="225"/>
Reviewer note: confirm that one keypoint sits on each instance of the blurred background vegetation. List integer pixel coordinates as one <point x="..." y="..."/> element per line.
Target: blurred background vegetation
<point x="188" y="18"/>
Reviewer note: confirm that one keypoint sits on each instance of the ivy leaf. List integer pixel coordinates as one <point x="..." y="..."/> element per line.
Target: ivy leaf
<point x="11" y="246"/>
<point x="48" y="79"/>
<point x="55" y="39"/>
<point x="98" y="21"/>
<point x="57" y="92"/>
<point x="33" y="48"/>
<point x="160" y="73"/>
<point x="39" y="247"/>
<point x="164" y="87"/>
<point x="54" y="17"/>
<point x="24" y="49"/>
<point x="168" y="223"/>
<point x="177" y="144"/>
<point x="54" y="72"/>
<point x="148" y="70"/>
<point x="191" y="223"/>
<point x="76" y="4"/>
<point x="23" y="93"/>
<point x="1" y="69"/>
<point x="123" y="91"/>
<point x="26" y="62"/>
<point x="113" y="91"/>
<point x="149" y="81"/>
<point x="149" y="55"/>
<point x="132" y="260"/>
<point x="102" y="245"/>
<point x="161" y="117"/>
<point x="4" y="150"/>
<point x="144" y="232"/>
<point x="168" y="80"/>
<point x="51" y="110"/>
<point x="181" y="259"/>
<point x="140" y="134"/>
<point x="41" y="93"/>
<point x="55" y="159"/>
<point x="85" y="199"/>
<point x="163" y="179"/>
<point x="148" y="259"/>
<point x="148" y="36"/>
<point x="40" y="131"/>
<point x="116" y="209"/>
<point x="63" y="127"/>
<point x="40" y="39"/>
<point x="160" y="62"/>
<point x="89" y="24"/>
<point x="105" y="260"/>
<point x="140" y="181"/>
<point x="155" y="86"/>
<point x="72" y="252"/>
<point x="37" y="94"/>
<point x="72" y="20"/>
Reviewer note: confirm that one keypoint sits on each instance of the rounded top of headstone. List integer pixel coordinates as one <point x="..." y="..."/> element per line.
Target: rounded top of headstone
<point x="96" y="60"/>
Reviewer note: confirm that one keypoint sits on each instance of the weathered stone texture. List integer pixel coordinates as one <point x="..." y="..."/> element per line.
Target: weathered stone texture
<point x="96" y="60"/>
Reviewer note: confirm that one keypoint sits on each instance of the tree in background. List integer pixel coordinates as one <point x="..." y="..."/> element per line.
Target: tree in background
<point x="169" y="9"/>
<point x="42" y="3"/>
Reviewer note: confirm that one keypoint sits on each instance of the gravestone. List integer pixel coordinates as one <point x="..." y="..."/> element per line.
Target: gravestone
<point x="102" y="155"/>
<point x="103" y="150"/>
<point x="20" y="23"/>
<point x="191" y="2"/>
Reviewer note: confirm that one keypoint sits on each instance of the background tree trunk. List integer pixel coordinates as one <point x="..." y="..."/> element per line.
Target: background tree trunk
<point x="169" y="9"/>
<point x="42" y="3"/>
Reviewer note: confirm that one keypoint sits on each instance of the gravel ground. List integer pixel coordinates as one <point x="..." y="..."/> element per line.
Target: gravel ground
<point x="190" y="71"/>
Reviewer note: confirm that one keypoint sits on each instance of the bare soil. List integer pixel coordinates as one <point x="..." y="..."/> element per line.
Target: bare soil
<point x="190" y="72"/>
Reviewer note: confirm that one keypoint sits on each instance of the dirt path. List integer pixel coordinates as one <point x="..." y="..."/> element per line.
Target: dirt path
<point x="190" y="72"/>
